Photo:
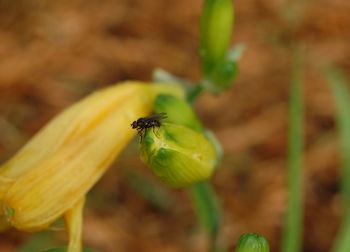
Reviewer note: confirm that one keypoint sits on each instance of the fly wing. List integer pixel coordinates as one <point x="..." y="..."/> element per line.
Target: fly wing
<point x="159" y="116"/>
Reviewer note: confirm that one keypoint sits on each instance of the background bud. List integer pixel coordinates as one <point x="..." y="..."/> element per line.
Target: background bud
<point x="178" y="155"/>
<point x="252" y="243"/>
<point x="218" y="67"/>
<point x="216" y="29"/>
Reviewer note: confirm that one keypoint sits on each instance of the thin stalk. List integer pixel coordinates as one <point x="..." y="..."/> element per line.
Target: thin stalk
<point x="292" y="235"/>
<point x="207" y="210"/>
<point x="342" y="243"/>
<point x="342" y="100"/>
<point x="203" y="196"/>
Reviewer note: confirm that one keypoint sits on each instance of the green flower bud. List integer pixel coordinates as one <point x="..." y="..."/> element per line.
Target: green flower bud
<point x="216" y="29"/>
<point x="252" y="243"/>
<point x="178" y="155"/>
<point x="178" y="111"/>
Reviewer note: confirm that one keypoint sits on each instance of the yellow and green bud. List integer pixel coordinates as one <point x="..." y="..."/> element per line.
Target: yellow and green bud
<point x="178" y="155"/>
<point x="252" y="243"/>
<point x="50" y="176"/>
<point x="181" y="112"/>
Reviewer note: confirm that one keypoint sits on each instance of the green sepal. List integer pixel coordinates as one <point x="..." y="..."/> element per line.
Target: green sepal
<point x="178" y="111"/>
<point x="221" y="77"/>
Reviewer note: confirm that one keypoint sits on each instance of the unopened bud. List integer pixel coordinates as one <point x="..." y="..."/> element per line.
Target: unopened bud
<point x="252" y="243"/>
<point x="216" y="29"/>
<point x="178" y="155"/>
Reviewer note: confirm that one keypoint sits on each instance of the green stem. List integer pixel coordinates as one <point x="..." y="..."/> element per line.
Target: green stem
<point x="342" y="243"/>
<point x="203" y="195"/>
<point x="342" y="100"/>
<point x="207" y="210"/>
<point x="293" y="230"/>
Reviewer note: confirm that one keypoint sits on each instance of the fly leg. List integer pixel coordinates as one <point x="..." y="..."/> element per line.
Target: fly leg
<point x="155" y="131"/>
<point x="141" y="133"/>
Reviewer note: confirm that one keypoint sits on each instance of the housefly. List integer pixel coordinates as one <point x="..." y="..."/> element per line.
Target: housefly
<point x="143" y="123"/>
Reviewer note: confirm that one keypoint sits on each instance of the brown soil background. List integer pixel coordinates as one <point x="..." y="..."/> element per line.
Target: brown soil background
<point x="52" y="53"/>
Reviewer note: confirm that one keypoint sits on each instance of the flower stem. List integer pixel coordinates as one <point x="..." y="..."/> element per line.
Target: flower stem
<point x="293" y="231"/>
<point x="340" y="91"/>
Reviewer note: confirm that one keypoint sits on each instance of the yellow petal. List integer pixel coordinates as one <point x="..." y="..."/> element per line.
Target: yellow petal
<point x="79" y="119"/>
<point x="74" y="224"/>
<point x="65" y="159"/>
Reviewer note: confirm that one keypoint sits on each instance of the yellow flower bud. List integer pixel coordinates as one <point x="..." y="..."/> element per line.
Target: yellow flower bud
<point x="178" y="155"/>
<point x="52" y="173"/>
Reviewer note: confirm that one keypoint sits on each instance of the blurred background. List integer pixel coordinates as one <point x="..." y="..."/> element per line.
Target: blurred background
<point x="52" y="53"/>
